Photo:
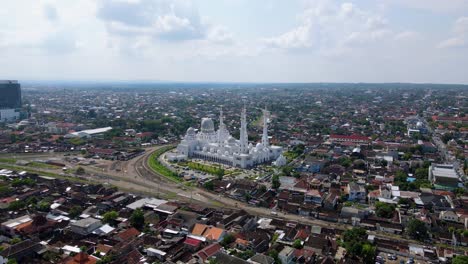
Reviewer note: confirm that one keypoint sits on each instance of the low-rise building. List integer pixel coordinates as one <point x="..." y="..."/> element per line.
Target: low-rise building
<point x="356" y="192"/>
<point x="443" y="176"/>
<point x="85" y="226"/>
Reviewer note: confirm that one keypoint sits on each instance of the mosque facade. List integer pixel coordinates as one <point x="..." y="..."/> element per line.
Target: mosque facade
<point x="220" y="147"/>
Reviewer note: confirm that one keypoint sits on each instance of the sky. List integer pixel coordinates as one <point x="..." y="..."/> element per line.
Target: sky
<point x="418" y="41"/>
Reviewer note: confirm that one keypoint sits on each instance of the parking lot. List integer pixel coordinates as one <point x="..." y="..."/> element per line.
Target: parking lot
<point x="399" y="259"/>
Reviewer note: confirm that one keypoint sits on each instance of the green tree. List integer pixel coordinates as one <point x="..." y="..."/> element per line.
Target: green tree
<point x="110" y="217"/>
<point x="137" y="219"/>
<point x="275" y="182"/>
<point x="5" y="190"/>
<point x="421" y="173"/>
<point x="247" y="196"/>
<point x="12" y="261"/>
<point x="356" y="244"/>
<point x="227" y="240"/>
<point x="21" y="182"/>
<point x="80" y="171"/>
<point x="384" y="210"/>
<point x="368" y="253"/>
<point x="75" y="211"/>
<point x="274" y="254"/>
<point x="460" y="260"/>
<point x="15" y="240"/>
<point x="16" y="205"/>
<point x="417" y="229"/>
<point x="297" y="244"/>
<point x="246" y="254"/>
<point x="209" y="185"/>
<point x="345" y="162"/>
<point x="43" y="206"/>
<point x="106" y="259"/>
<point x="459" y="191"/>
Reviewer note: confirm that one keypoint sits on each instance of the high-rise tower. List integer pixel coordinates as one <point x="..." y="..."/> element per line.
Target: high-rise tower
<point x="10" y="94"/>
<point x="10" y="101"/>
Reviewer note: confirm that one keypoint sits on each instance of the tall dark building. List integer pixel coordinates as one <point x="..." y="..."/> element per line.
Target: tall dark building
<point x="10" y="94"/>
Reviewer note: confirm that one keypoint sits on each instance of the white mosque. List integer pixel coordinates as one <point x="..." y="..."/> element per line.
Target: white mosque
<point x="220" y="147"/>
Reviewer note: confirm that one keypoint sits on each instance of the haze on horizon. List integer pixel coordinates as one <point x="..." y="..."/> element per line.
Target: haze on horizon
<point x="422" y="41"/>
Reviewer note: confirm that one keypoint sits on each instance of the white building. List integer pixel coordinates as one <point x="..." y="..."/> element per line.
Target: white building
<point x="88" y="133"/>
<point x="219" y="146"/>
<point x="443" y="176"/>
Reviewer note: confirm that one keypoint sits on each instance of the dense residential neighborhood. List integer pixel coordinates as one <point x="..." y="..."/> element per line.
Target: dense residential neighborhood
<point x="369" y="174"/>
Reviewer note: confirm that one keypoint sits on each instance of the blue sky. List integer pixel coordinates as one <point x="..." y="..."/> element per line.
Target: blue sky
<point x="236" y="40"/>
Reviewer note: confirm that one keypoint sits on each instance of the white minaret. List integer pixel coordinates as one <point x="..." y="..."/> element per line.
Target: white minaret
<point x="265" y="141"/>
<point x="244" y="138"/>
<point x="223" y="134"/>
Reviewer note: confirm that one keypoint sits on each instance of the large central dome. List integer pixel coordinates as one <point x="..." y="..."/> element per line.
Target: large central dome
<point x="207" y="125"/>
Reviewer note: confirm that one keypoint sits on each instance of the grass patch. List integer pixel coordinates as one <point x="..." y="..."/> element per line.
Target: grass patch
<point x="41" y="165"/>
<point x="217" y="204"/>
<point x="169" y="195"/>
<point x="8" y="160"/>
<point x="214" y="170"/>
<point x="289" y="155"/>
<point x="159" y="168"/>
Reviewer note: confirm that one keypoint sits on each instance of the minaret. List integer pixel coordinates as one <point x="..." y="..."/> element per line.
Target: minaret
<point x="222" y="128"/>
<point x="244" y="138"/>
<point x="265" y="141"/>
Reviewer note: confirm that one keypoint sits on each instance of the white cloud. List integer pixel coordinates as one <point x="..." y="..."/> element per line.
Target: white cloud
<point x="220" y="35"/>
<point x="326" y="26"/>
<point x="164" y="20"/>
<point x="50" y="13"/>
<point x="460" y="38"/>
<point x="461" y="26"/>
<point x="407" y="35"/>
<point x="452" y="43"/>
<point x="437" y="6"/>
<point x="299" y="37"/>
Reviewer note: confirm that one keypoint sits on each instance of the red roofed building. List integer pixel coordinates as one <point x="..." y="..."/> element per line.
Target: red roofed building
<point x="207" y="252"/>
<point x="450" y="119"/>
<point x="127" y="235"/>
<point x="192" y="244"/>
<point x="352" y="138"/>
<point x="81" y="258"/>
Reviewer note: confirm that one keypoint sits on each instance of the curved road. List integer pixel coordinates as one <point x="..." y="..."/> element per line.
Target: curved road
<point x="140" y="178"/>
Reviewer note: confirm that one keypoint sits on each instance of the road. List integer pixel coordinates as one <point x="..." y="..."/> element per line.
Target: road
<point x="139" y="178"/>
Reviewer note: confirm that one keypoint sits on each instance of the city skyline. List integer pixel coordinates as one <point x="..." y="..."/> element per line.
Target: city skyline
<point x="236" y="41"/>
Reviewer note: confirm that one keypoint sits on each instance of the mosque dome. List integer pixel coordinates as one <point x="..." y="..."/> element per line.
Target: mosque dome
<point x="280" y="161"/>
<point x="207" y="125"/>
<point x="190" y="131"/>
<point x="231" y="140"/>
<point x="258" y="146"/>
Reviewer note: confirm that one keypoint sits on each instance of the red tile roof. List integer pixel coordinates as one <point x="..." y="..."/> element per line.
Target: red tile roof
<point x="208" y="251"/>
<point x="128" y="234"/>
<point x="81" y="258"/>
<point x="351" y="137"/>
<point x="192" y="242"/>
